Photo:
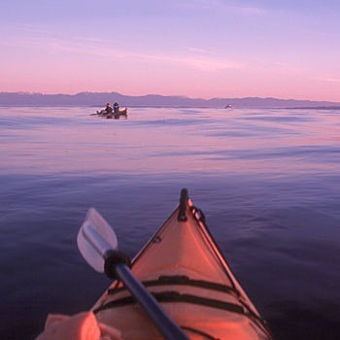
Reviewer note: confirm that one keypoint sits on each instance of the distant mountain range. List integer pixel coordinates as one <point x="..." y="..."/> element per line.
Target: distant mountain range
<point x="99" y="99"/>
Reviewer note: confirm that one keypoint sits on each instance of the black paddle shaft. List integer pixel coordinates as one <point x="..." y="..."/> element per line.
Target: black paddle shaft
<point x="160" y="319"/>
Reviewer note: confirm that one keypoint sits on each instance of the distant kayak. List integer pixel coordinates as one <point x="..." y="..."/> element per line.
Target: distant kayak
<point x="113" y="115"/>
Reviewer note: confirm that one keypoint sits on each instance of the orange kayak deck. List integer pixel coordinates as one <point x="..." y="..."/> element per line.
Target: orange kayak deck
<point x="183" y="268"/>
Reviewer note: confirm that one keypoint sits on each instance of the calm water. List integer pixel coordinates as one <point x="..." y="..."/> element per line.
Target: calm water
<point x="267" y="180"/>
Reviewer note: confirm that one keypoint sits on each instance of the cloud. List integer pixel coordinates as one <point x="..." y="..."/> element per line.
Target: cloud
<point x="221" y="5"/>
<point x="198" y="50"/>
<point x="329" y="79"/>
<point x="192" y="57"/>
<point x="97" y="47"/>
<point x="29" y="28"/>
<point x="202" y="63"/>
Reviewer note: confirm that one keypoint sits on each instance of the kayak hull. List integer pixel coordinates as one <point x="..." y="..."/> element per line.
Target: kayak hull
<point x="115" y="115"/>
<point x="183" y="268"/>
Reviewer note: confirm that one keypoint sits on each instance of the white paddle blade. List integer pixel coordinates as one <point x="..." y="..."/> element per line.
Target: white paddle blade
<point x="95" y="238"/>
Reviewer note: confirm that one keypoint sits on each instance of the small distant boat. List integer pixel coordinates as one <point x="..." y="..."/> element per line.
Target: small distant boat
<point x="228" y="107"/>
<point x="115" y="115"/>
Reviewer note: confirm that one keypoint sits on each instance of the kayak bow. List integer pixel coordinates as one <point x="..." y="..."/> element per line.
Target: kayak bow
<point x="115" y="115"/>
<point x="182" y="267"/>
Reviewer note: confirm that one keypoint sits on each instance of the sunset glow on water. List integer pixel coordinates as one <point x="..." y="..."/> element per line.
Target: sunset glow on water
<point x="161" y="140"/>
<point x="266" y="180"/>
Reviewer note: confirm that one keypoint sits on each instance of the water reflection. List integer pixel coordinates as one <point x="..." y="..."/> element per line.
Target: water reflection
<point x="160" y="140"/>
<point x="267" y="181"/>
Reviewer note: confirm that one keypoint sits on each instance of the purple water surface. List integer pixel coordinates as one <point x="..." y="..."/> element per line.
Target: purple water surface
<point x="267" y="180"/>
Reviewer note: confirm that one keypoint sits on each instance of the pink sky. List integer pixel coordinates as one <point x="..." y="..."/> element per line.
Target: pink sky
<point x="194" y="48"/>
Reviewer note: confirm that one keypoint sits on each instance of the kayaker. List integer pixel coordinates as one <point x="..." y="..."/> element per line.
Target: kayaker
<point x="108" y="109"/>
<point x="116" y="107"/>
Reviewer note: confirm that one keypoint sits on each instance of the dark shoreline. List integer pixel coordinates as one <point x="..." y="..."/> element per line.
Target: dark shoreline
<point x="155" y="100"/>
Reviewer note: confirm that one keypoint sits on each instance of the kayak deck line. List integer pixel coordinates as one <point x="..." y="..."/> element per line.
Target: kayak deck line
<point x="184" y="280"/>
<point x="199" y="332"/>
<point x="173" y="296"/>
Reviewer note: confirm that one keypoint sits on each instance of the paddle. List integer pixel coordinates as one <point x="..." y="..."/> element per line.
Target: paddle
<point x="98" y="113"/>
<point x="98" y="244"/>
